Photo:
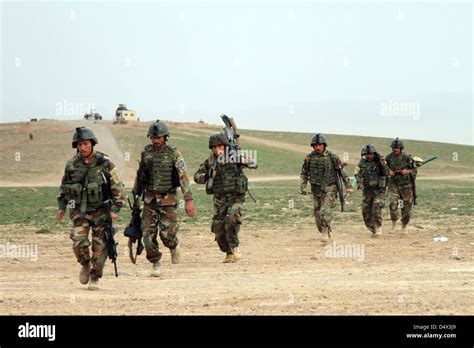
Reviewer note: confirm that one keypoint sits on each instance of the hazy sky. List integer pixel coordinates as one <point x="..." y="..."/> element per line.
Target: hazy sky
<point x="382" y="69"/>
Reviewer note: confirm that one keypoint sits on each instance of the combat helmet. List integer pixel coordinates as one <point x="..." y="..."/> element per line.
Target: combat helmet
<point x="319" y="139"/>
<point x="218" y="139"/>
<point x="158" y="129"/>
<point x="81" y="134"/>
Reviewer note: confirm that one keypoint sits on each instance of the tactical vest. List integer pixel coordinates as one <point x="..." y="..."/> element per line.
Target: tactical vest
<point x="159" y="166"/>
<point x="371" y="173"/>
<point x="396" y="163"/>
<point x="321" y="170"/>
<point x="87" y="184"/>
<point x="229" y="178"/>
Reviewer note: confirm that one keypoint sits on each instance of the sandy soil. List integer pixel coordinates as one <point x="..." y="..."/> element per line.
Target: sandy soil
<point x="285" y="270"/>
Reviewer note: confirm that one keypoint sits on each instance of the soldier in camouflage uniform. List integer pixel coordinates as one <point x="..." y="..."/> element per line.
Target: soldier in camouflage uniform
<point x="161" y="170"/>
<point x="318" y="169"/>
<point x="229" y="188"/>
<point x="92" y="189"/>
<point x="371" y="176"/>
<point x="402" y="172"/>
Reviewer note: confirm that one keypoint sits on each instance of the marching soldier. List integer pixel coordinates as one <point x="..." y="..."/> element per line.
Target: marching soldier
<point x="319" y="168"/>
<point x="92" y="189"/>
<point x="229" y="188"/>
<point x="402" y="173"/>
<point x="371" y="176"/>
<point x="161" y="170"/>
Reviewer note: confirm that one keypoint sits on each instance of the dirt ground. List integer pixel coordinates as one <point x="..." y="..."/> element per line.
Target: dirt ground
<point x="285" y="270"/>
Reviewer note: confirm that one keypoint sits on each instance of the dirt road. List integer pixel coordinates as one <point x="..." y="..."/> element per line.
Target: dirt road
<point x="285" y="270"/>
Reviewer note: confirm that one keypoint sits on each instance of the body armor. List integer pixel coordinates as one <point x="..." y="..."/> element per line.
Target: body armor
<point x="321" y="170"/>
<point x="87" y="184"/>
<point x="403" y="161"/>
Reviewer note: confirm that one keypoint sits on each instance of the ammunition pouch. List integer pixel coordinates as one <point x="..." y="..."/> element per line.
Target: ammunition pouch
<point x="94" y="192"/>
<point x="373" y="183"/>
<point x="382" y="181"/>
<point x="73" y="191"/>
<point x="242" y="184"/>
<point x="402" y="180"/>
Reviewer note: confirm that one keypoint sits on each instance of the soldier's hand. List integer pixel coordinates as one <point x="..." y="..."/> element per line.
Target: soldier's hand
<point x="214" y="172"/>
<point x="350" y="190"/>
<point x="113" y="216"/>
<point x="360" y="186"/>
<point x="405" y="171"/>
<point x="391" y="173"/>
<point x="60" y="216"/>
<point x="303" y="192"/>
<point x="189" y="207"/>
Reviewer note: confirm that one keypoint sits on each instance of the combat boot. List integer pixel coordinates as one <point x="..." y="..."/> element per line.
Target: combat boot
<point x="378" y="231"/>
<point x="229" y="258"/>
<point x="405" y="229"/>
<point x="93" y="283"/>
<point x="85" y="273"/>
<point x="156" y="271"/>
<point x="175" y="255"/>
<point x="325" y="235"/>
<point x="237" y="254"/>
<point x="394" y="225"/>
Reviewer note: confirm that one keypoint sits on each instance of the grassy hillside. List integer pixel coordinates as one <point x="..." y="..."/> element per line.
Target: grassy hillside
<point x="41" y="161"/>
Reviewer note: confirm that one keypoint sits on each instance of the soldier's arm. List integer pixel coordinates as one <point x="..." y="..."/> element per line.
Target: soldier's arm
<point x="138" y="185"/>
<point x="116" y="188"/>
<point x="248" y="162"/>
<point x="389" y="165"/>
<point x="385" y="170"/>
<point x="183" y="176"/>
<point x="200" y="177"/>
<point x="304" y="174"/>
<point x="347" y="180"/>
<point x="62" y="202"/>
<point x="345" y="176"/>
<point x="358" y="173"/>
<point x="412" y="167"/>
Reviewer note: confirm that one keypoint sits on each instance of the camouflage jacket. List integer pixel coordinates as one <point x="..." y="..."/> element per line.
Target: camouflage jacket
<point x="368" y="172"/>
<point x="396" y="163"/>
<point x="336" y="162"/>
<point x="78" y="175"/>
<point x="178" y="164"/>
<point x="201" y="175"/>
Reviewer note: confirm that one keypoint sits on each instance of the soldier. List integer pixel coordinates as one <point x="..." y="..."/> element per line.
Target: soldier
<point x="402" y="173"/>
<point x="319" y="168"/>
<point x="371" y="176"/>
<point x="92" y="189"/>
<point x="161" y="171"/>
<point x="229" y="188"/>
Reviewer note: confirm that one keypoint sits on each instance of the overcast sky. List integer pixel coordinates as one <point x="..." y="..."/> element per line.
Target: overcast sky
<point x="393" y="69"/>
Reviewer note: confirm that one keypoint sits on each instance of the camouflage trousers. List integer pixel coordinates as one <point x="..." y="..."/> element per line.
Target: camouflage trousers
<point x="227" y="220"/>
<point x="97" y="221"/>
<point x="372" y="205"/>
<point x="324" y="204"/>
<point x="401" y="197"/>
<point x="166" y="219"/>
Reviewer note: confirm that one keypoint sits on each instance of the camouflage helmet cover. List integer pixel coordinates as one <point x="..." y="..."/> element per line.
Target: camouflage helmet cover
<point x="397" y="143"/>
<point x="157" y="129"/>
<point x="319" y="139"/>
<point x="218" y="139"/>
<point x="370" y="148"/>
<point x="82" y="134"/>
